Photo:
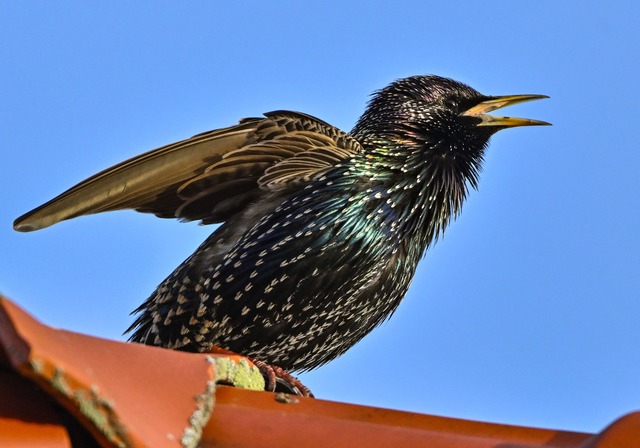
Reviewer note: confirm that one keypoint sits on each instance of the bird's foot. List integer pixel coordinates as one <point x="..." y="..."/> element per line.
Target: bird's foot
<point x="276" y="378"/>
<point x="279" y="380"/>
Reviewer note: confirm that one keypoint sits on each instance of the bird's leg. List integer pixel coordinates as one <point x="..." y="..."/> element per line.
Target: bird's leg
<point x="274" y="375"/>
<point x="277" y="376"/>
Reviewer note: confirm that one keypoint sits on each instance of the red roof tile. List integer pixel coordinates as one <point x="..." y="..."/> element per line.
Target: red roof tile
<point x="54" y="383"/>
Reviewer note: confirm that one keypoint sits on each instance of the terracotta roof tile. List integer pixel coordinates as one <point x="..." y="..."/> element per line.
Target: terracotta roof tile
<point x="62" y="389"/>
<point x="22" y="422"/>
<point x="125" y="394"/>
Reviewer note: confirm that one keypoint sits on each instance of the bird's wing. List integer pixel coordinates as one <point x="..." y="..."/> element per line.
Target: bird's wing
<point x="209" y="176"/>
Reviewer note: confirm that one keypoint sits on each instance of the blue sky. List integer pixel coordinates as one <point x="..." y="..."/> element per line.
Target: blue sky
<point x="528" y="310"/>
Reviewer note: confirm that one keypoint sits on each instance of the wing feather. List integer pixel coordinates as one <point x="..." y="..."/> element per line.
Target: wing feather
<point x="209" y="176"/>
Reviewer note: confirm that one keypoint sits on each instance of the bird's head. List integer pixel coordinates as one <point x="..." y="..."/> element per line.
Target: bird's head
<point x="431" y="116"/>
<point x="424" y="139"/>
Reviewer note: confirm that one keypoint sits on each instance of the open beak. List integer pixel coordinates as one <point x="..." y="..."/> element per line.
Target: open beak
<point x="480" y="111"/>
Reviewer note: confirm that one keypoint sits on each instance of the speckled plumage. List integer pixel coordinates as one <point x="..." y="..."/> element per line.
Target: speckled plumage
<point x="322" y="230"/>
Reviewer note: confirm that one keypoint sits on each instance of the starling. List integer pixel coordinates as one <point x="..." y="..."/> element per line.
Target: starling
<point x="321" y="230"/>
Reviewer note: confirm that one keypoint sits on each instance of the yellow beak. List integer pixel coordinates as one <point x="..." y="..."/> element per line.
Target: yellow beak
<point x="496" y="102"/>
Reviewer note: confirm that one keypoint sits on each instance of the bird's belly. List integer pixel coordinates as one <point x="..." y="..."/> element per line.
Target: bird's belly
<point x="305" y="318"/>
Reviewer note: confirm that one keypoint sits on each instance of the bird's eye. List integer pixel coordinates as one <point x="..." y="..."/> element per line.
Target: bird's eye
<point x="451" y="103"/>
